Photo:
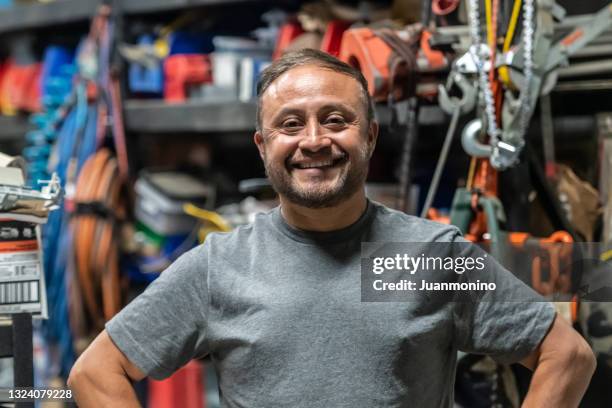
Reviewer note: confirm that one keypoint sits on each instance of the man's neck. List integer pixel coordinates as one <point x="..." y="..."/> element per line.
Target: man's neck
<point x="324" y="219"/>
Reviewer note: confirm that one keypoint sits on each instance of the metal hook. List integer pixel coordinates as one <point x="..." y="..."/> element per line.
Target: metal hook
<point x="468" y="98"/>
<point x="470" y="142"/>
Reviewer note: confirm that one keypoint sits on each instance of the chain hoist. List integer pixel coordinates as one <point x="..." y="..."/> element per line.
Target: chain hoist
<point x="504" y="152"/>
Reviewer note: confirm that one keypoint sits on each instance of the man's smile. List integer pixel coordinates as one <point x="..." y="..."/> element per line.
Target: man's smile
<point x="318" y="163"/>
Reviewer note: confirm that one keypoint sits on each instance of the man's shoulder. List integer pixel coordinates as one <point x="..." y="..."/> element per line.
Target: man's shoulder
<point x="395" y="225"/>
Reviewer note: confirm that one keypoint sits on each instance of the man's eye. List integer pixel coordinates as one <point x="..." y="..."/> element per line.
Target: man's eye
<point x="335" y="120"/>
<point x="291" y="124"/>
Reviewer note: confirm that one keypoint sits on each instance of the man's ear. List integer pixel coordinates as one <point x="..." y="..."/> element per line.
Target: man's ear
<point x="259" y="142"/>
<point x="372" y="135"/>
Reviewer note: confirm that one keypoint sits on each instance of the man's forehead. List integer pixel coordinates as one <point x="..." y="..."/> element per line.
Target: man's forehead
<point x="311" y="81"/>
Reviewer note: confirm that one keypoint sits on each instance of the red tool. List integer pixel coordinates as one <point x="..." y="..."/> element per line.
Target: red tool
<point x="182" y="71"/>
<point x="364" y="49"/>
<point x="332" y="40"/>
<point x="21" y="86"/>
<point x="444" y="7"/>
<point x="435" y="59"/>
<point x="288" y="32"/>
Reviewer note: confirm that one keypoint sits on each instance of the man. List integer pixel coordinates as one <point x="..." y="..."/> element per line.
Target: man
<point x="277" y="306"/>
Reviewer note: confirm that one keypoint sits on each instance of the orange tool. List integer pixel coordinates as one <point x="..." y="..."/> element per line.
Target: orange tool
<point x="365" y="49"/>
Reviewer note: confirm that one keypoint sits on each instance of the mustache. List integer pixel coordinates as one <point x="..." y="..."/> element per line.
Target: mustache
<point x="298" y="158"/>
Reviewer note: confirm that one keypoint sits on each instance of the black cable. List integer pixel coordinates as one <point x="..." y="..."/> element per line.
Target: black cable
<point x="405" y="174"/>
<point x="425" y="12"/>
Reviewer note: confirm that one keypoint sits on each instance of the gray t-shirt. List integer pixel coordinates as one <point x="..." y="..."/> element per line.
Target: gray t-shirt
<point x="279" y="312"/>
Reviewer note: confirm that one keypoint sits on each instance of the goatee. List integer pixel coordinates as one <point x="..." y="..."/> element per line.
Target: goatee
<point x="353" y="176"/>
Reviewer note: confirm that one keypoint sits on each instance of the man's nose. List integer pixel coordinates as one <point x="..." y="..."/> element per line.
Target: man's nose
<point x="314" y="138"/>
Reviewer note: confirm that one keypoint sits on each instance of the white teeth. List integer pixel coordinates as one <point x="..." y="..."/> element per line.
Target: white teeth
<point x="317" y="164"/>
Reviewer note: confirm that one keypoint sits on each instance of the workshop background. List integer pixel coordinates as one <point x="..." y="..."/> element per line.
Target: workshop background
<point x="144" y="110"/>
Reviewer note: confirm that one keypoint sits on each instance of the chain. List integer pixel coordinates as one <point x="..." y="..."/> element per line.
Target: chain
<point x="476" y="50"/>
<point x="528" y="40"/>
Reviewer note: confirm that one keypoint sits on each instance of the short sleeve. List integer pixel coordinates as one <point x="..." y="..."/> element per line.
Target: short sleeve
<point x="165" y="327"/>
<point x="507" y="323"/>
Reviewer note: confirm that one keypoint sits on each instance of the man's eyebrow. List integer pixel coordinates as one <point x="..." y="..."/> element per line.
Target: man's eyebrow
<point x="288" y="111"/>
<point x="324" y="108"/>
<point x="338" y="106"/>
<point x="328" y="107"/>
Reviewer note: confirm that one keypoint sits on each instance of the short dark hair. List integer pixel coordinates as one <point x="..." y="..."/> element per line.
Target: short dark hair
<point x="309" y="56"/>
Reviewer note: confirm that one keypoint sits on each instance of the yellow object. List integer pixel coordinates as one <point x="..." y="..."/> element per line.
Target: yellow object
<point x="162" y="44"/>
<point x="162" y="49"/>
<point x="215" y="221"/>
<point x="6" y="109"/>
<point x="504" y="72"/>
<point x="490" y="34"/>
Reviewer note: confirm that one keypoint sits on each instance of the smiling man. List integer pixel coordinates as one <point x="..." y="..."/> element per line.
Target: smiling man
<point x="277" y="304"/>
<point x="315" y="134"/>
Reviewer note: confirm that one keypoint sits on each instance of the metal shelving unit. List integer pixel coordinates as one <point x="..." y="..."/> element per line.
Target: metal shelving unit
<point x="13" y="128"/>
<point x="156" y="116"/>
<point x="42" y="15"/>
<point x="154" y="6"/>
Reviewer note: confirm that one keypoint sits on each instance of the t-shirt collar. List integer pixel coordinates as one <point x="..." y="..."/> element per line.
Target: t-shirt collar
<point x="339" y="235"/>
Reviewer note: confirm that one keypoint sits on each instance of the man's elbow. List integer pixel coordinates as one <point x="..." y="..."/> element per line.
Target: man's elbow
<point x="74" y="377"/>
<point x="564" y="348"/>
<point x="571" y="354"/>
<point x="582" y="357"/>
<point x="80" y="374"/>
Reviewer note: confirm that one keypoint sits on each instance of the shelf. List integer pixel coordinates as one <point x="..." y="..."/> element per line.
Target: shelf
<point x="39" y="15"/>
<point x="156" y="116"/>
<point x="190" y="117"/>
<point x="13" y="128"/>
<point x="20" y="17"/>
<point x="154" y="6"/>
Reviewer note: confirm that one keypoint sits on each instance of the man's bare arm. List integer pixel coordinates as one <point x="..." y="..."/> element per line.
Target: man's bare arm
<point x="564" y="364"/>
<point x="102" y="376"/>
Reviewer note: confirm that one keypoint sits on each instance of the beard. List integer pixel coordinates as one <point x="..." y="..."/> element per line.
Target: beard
<point x="353" y="174"/>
